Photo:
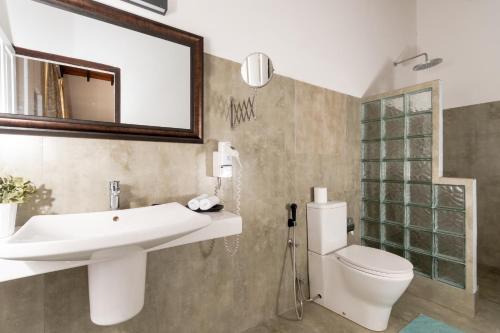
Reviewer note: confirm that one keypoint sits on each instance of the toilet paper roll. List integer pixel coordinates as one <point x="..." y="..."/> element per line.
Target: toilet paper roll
<point x="207" y="203"/>
<point x="320" y="195"/>
<point x="194" y="204"/>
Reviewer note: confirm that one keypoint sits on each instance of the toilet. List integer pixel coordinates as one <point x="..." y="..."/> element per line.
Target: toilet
<point x="360" y="283"/>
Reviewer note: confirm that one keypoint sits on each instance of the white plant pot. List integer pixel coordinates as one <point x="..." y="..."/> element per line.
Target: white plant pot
<point x="8" y="214"/>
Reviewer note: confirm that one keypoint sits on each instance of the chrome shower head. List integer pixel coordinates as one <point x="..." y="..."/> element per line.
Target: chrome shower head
<point x="427" y="64"/>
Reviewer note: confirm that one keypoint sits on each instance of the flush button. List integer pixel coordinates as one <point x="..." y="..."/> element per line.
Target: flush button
<point x="116" y="218"/>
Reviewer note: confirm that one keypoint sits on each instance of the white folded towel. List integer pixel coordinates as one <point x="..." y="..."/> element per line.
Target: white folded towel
<point x="194" y="204"/>
<point x="207" y="203"/>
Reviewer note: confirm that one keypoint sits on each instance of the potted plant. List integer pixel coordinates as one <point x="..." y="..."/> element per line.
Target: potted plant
<point x="13" y="191"/>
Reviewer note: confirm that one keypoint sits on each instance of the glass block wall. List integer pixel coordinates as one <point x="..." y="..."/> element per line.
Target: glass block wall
<point x="403" y="212"/>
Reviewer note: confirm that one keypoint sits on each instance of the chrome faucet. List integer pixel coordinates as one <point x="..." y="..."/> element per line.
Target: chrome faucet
<point x="114" y="194"/>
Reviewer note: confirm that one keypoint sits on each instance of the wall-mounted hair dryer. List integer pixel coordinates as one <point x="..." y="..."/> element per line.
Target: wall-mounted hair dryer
<point x="223" y="168"/>
<point x="223" y="160"/>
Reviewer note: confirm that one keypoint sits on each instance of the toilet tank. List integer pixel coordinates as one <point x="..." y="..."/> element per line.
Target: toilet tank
<point x="326" y="226"/>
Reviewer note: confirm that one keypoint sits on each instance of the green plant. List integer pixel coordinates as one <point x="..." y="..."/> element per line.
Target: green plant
<point x="15" y="189"/>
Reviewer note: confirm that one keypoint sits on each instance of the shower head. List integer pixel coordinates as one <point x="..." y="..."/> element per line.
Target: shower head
<point x="427" y="64"/>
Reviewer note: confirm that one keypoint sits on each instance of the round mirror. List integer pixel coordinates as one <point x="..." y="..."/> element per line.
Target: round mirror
<point x="257" y="70"/>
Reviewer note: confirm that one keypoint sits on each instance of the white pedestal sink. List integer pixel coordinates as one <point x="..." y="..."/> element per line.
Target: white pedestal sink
<point x="115" y="244"/>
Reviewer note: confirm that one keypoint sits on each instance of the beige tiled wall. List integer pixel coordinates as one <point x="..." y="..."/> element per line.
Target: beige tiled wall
<point x="471" y="138"/>
<point x="303" y="136"/>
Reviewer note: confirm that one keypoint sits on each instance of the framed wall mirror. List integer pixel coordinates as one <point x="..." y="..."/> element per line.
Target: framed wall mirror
<point x="95" y="71"/>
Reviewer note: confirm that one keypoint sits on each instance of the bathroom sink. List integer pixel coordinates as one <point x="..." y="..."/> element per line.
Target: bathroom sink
<point x="114" y="245"/>
<point x="100" y="235"/>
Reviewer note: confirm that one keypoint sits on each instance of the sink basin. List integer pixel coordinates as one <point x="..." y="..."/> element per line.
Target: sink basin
<point x="87" y="236"/>
<point x="114" y="242"/>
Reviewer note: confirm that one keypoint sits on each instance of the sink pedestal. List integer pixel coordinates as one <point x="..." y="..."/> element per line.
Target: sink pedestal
<point x="116" y="288"/>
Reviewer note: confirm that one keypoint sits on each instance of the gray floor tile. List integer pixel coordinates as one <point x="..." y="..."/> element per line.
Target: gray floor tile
<point x="320" y="320"/>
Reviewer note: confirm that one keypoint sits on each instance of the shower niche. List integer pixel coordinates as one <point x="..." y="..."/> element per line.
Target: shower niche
<point x="407" y="207"/>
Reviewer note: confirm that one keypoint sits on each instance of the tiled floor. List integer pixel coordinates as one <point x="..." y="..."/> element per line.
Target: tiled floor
<point x="319" y="320"/>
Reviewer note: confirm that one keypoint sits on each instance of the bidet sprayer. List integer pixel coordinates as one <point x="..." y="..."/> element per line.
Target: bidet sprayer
<point x="292" y="222"/>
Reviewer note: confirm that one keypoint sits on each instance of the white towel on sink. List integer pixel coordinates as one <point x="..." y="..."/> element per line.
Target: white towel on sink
<point x="194" y="204"/>
<point x="207" y="203"/>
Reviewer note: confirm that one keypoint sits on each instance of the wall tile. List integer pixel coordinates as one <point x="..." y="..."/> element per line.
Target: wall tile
<point x="471" y="136"/>
<point x="22" y="305"/>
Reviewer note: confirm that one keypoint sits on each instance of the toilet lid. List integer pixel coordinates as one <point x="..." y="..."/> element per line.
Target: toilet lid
<point x="374" y="260"/>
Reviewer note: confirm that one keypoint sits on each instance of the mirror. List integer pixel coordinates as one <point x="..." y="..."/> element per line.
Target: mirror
<point x="257" y="70"/>
<point x="96" y="70"/>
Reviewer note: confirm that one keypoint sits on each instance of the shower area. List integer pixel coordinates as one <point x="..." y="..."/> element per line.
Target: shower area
<point x="408" y="208"/>
<point x="471" y="137"/>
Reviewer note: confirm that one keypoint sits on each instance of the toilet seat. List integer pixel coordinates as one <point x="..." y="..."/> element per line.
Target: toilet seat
<point x="375" y="262"/>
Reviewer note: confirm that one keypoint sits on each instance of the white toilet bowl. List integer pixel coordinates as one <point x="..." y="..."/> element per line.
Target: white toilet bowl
<point x="360" y="283"/>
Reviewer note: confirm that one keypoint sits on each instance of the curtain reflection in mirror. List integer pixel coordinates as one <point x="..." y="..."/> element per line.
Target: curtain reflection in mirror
<point x="54" y="104"/>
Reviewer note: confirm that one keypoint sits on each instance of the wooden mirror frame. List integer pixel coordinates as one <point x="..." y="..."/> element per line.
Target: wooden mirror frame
<point x="86" y="128"/>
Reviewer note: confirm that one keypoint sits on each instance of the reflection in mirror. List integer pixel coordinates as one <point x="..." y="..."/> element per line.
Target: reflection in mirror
<point x="57" y="90"/>
<point x="257" y="70"/>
